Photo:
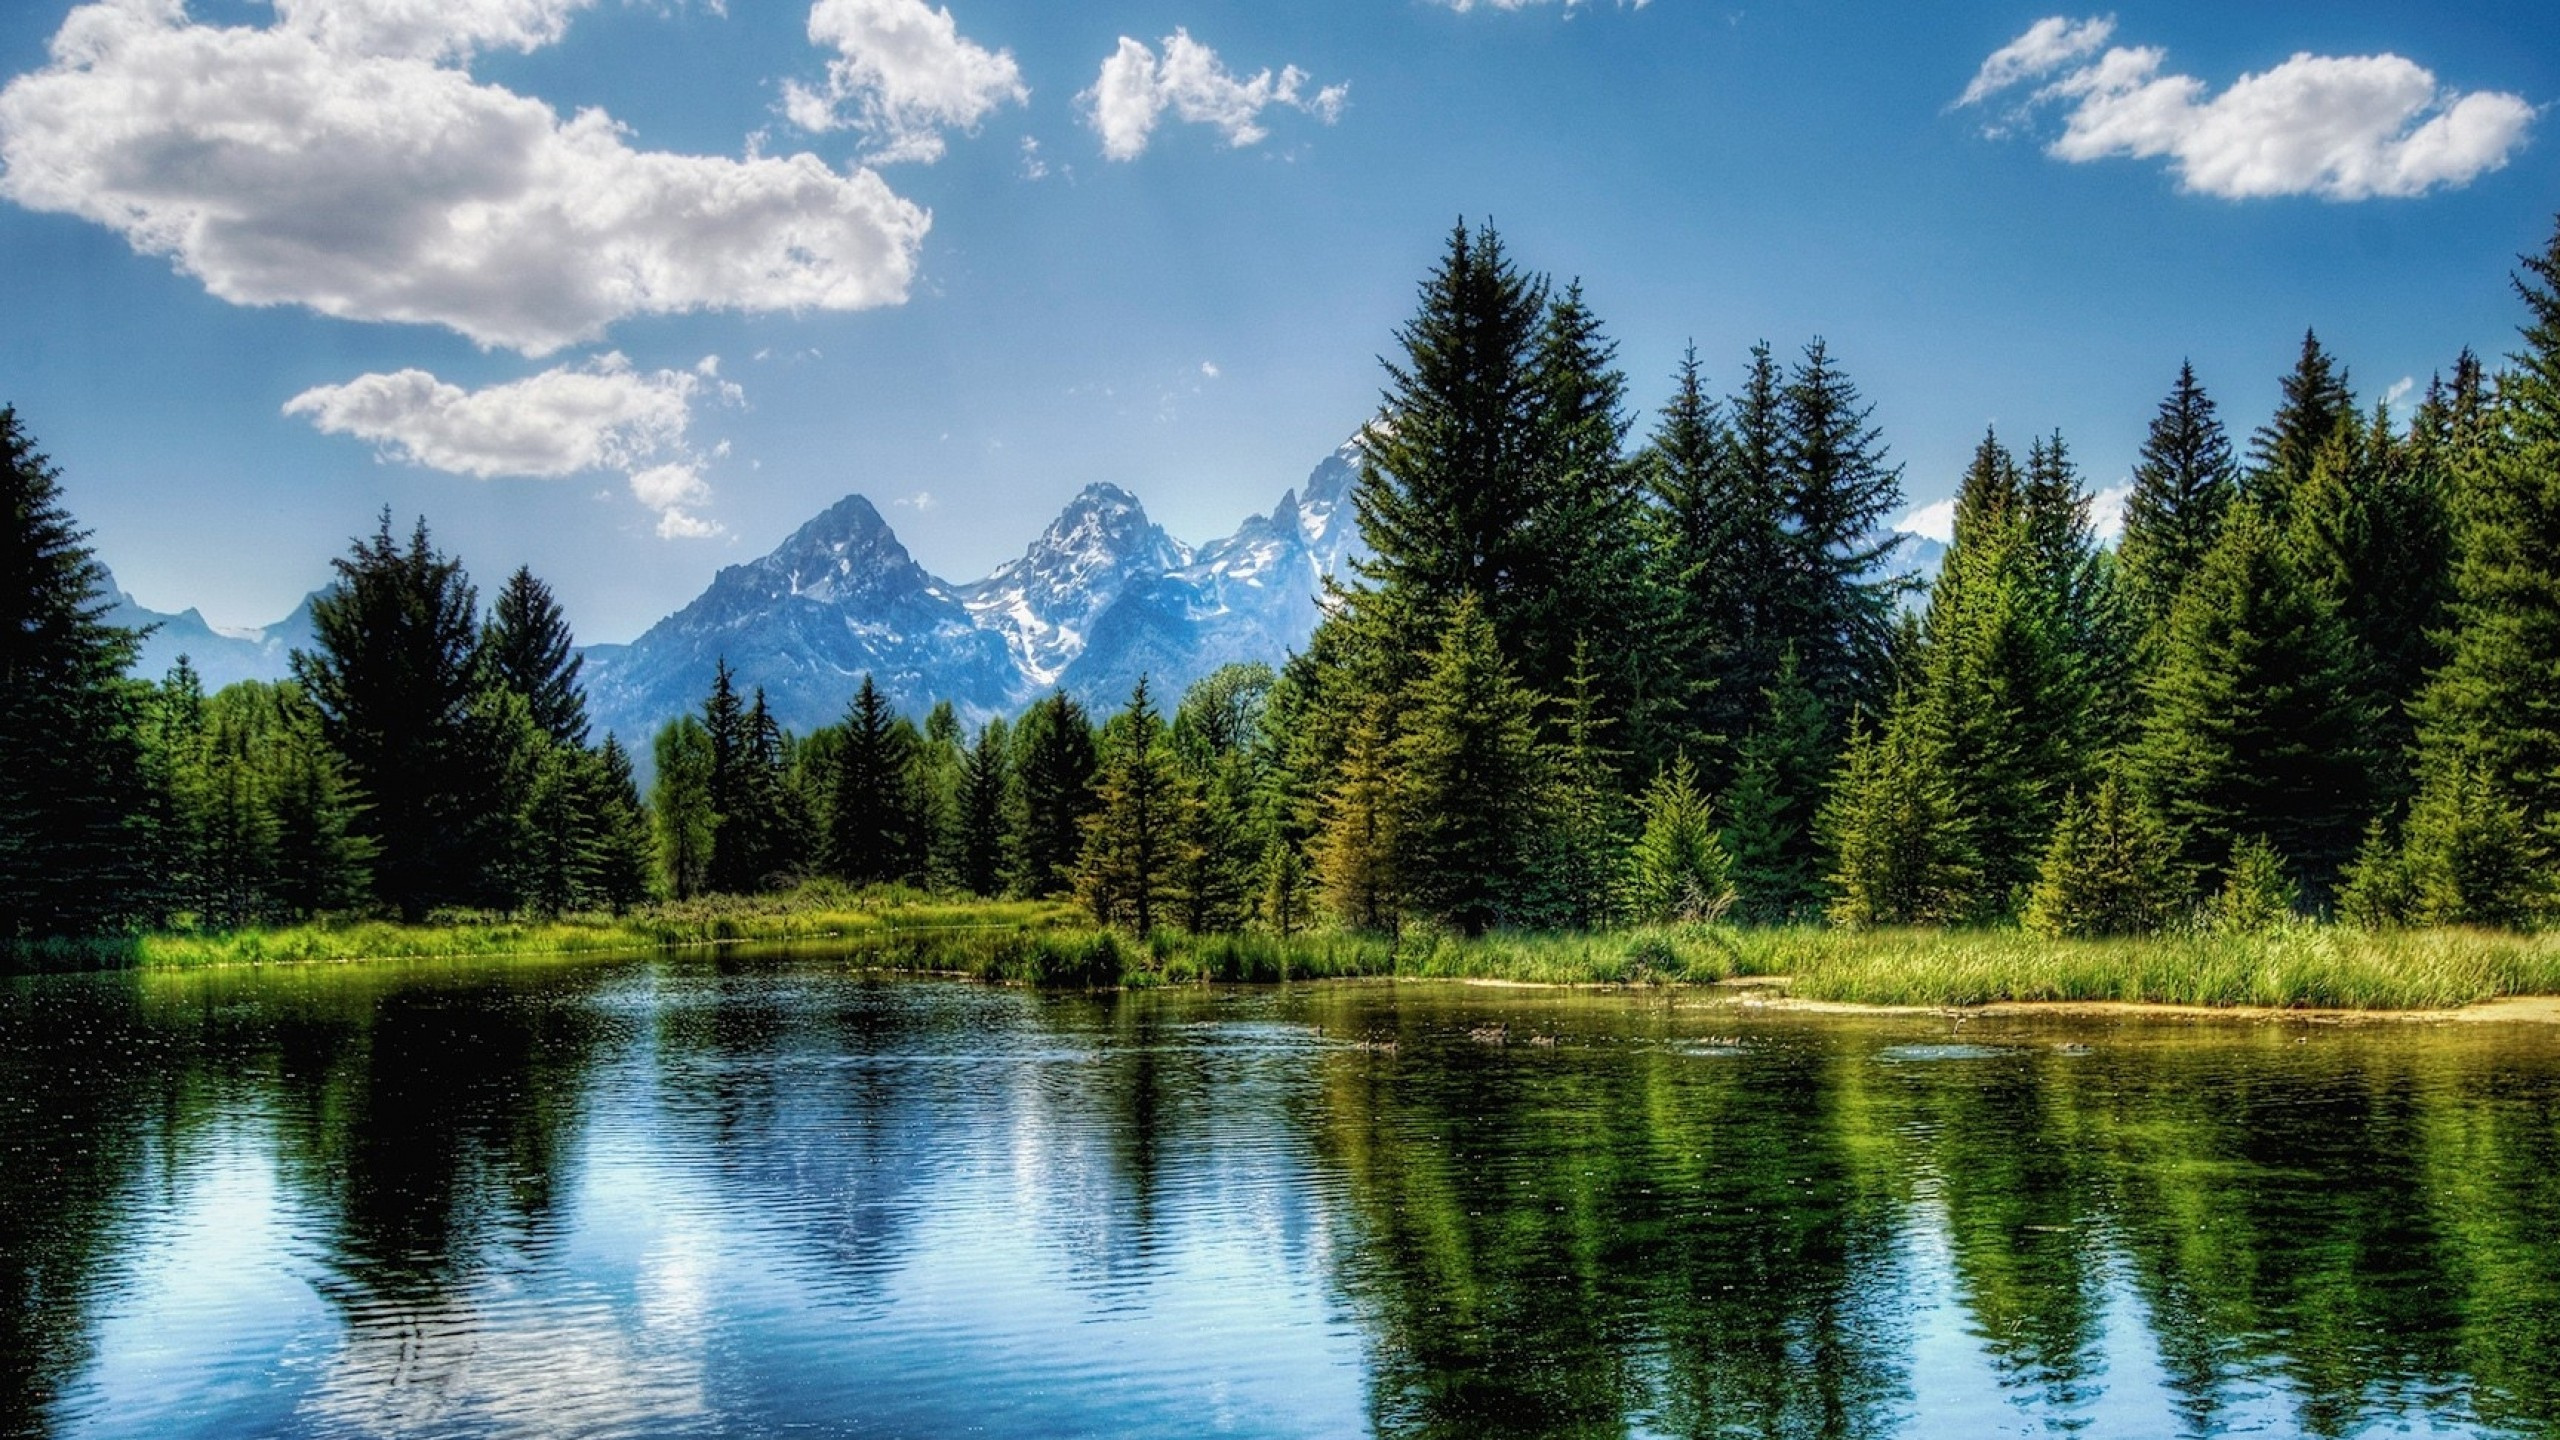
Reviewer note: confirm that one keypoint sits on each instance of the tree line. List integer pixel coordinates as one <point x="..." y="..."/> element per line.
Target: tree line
<point x="1577" y="678"/>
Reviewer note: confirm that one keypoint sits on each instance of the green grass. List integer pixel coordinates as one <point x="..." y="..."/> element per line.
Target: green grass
<point x="1047" y="943"/>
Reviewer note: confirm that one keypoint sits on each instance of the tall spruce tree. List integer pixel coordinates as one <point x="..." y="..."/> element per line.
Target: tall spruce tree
<point x="2316" y="401"/>
<point x="1719" y="532"/>
<point x="2183" y="485"/>
<point x="1053" y="766"/>
<point x="2254" y="725"/>
<point x="985" y="772"/>
<point x="867" y="825"/>
<point x="2490" y="718"/>
<point x="681" y="802"/>
<point x="1838" y="495"/>
<point x="1473" y="779"/>
<point x="624" y="849"/>
<point x="1126" y="874"/>
<point x="1776" y="797"/>
<point x="393" y="675"/>
<point x="1901" y="852"/>
<point x="1359" y="841"/>
<point x="528" y="649"/>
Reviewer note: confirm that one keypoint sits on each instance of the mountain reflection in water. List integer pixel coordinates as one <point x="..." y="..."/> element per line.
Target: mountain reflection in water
<point x="670" y="1196"/>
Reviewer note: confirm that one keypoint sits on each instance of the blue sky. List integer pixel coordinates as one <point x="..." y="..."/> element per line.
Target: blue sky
<point x="276" y="265"/>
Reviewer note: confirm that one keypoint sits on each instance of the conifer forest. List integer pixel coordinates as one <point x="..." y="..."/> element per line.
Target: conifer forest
<point x="1590" y="670"/>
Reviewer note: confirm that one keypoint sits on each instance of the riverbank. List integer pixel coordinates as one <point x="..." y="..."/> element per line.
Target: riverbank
<point x="2297" y="967"/>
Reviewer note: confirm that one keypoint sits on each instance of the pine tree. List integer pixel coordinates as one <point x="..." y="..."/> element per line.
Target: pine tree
<point x="393" y="677"/>
<point x="178" y="761"/>
<point x="1286" y="886"/>
<point x="687" y="823"/>
<point x="2316" y="401"/>
<point x="73" y="850"/>
<point x="1837" y="498"/>
<point x="1719" y="532"/>
<point x="323" y="861"/>
<point x="2254" y="725"/>
<point x="2182" y="487"/>
<point x="2110" y="870"/>
<point x="529" y="650"/>
<point x="1446" y="492"/>
<point x="1125" y="875"/>
<point x="1216" y="857"/>
<point x="2258" y="893"/>
<point x="624" y="848"/>
<point x="1472" y="776"/>
<point x="984" y="775"/>
<point x="1677" y="870"/>
<point x="2474" y="855"/>
<point x="1585" y="839"/>
<point x="867" y="826"/>
<point x="2493" y="710"/>
<point x="1359" y="843"/>
<point x="1777" y="792"/>
<point x="1054" y="767"/>
<point x="1902" y="854"/>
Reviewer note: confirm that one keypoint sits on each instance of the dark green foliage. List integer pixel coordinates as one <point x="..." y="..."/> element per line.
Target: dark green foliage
<point x="2376" y="891"/>
<point x="687" y="825"/>
<point x="869" y="825"/>
<point x="1677" y="870"/>
<point x="73" y="836"/>
<point x="1777" y="792"/>
<point x="1126" y="875"/>
<point x="393" y="677"/>
<point x="1217" y="859"/>
<point x="1584" y="838"/>
<point x="1717" y="532"/>
<point x="528" y="649"/>
<point x="1892" y="822"/>
<point x="2316" y="402"/>
<point x="2183" y="485"/>
<point x="1837" y="496"/>
<point x="624" y="847"/>
<point x="1473" y="779"/>
<point x="2474" y="856"/>
<point x="1359" y="841"/>
<point x="2255" y="727"/>
<point x="2111" y="870"/>
<point x="985" y="773"/>
<point x="322" y="861"/>
<point x="1054" y="763"/>
<point x="2494" y="707"/>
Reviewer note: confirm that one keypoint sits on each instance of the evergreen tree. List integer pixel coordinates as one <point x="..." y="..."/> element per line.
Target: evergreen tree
<point x="2183" y="485"/>
<point x="392" y="677"/>
<point x="984" y="775"/>
<point x="2254" y="725"/>
<point x="1447" y="488"/>
<point x="179" y="766"/>
<point x="1216" y="858"/>
<point x="1054" y="767"/>
<point x="1837" y="498"/>
<point x="1286" y="886"/>
<point x="2110" y="870"/>
<point x="322" y="859"/>
<point x="530" y="651"/>
<point x="867" y="826"/>
<point x="734" y="864"/>
<point x="1777" y="793"/>
<point x="1359" y="842"/>
<point x="2316" y="401"/>
<point x="564" y="850"/>
<point x="2474" y="855"/>
<point x="2258" y="893"/>
<point x="624" y="846"/>
<point x="688" y="825"/>
<point x="1472" y="776"/>
<point x="2493" y="711"/>
<point x="1892" y="822"/>
<point x="1677" y="870"/>
<point x="73" y="850"/>
<point x="1719" y="532"/>
<point x="1126" y="875"/>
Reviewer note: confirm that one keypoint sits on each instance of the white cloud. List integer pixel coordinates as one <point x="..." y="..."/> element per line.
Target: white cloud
<point x="2398" y="395"/>
<point x="1033" y="167"/>
<point x="919" y="502"/>
<point x="329" y="160"/>
<point x="903" y="74"/>
<point x="1135" y="89"/>
<point x="2106" y="512"/>
<point x="1210" y="369"/>
<point x="2048" y="45"/>
<point x="2340" y="127"/>
<point x="604" y="415"/>
<point x="1935" y="522"/>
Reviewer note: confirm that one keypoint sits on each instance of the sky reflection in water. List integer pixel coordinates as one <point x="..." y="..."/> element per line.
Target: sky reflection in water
<point x="685" y="1196"/>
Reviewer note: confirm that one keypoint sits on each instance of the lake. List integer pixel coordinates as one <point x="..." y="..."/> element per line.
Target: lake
<point x="765" y="1193"/>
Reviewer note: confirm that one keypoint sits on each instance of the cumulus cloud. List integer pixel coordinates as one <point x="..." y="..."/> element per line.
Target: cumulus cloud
<point x="2106" y="512"/>
<point x="2048" y="45"/>
<point x="903" y="74"/>
<point x="1136" y="88"/>
<point x="604" y="415"/>
<point x="2340" y="127"/>
<point x="341" y="159"/>
<point x="1931" y="522"/>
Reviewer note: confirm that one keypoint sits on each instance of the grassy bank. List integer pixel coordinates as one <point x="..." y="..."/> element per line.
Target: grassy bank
<point x="1035" y="942"/>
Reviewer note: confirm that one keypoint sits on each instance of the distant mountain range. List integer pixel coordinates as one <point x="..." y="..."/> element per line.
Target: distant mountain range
<point x="1101" y="597"/>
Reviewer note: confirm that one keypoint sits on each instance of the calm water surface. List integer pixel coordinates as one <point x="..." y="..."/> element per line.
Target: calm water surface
<point x="757" y="1195"/>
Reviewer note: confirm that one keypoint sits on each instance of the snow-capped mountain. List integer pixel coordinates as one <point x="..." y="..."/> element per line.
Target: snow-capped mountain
<point x="221" y="657"/>
<point x="1103" y="595"/>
